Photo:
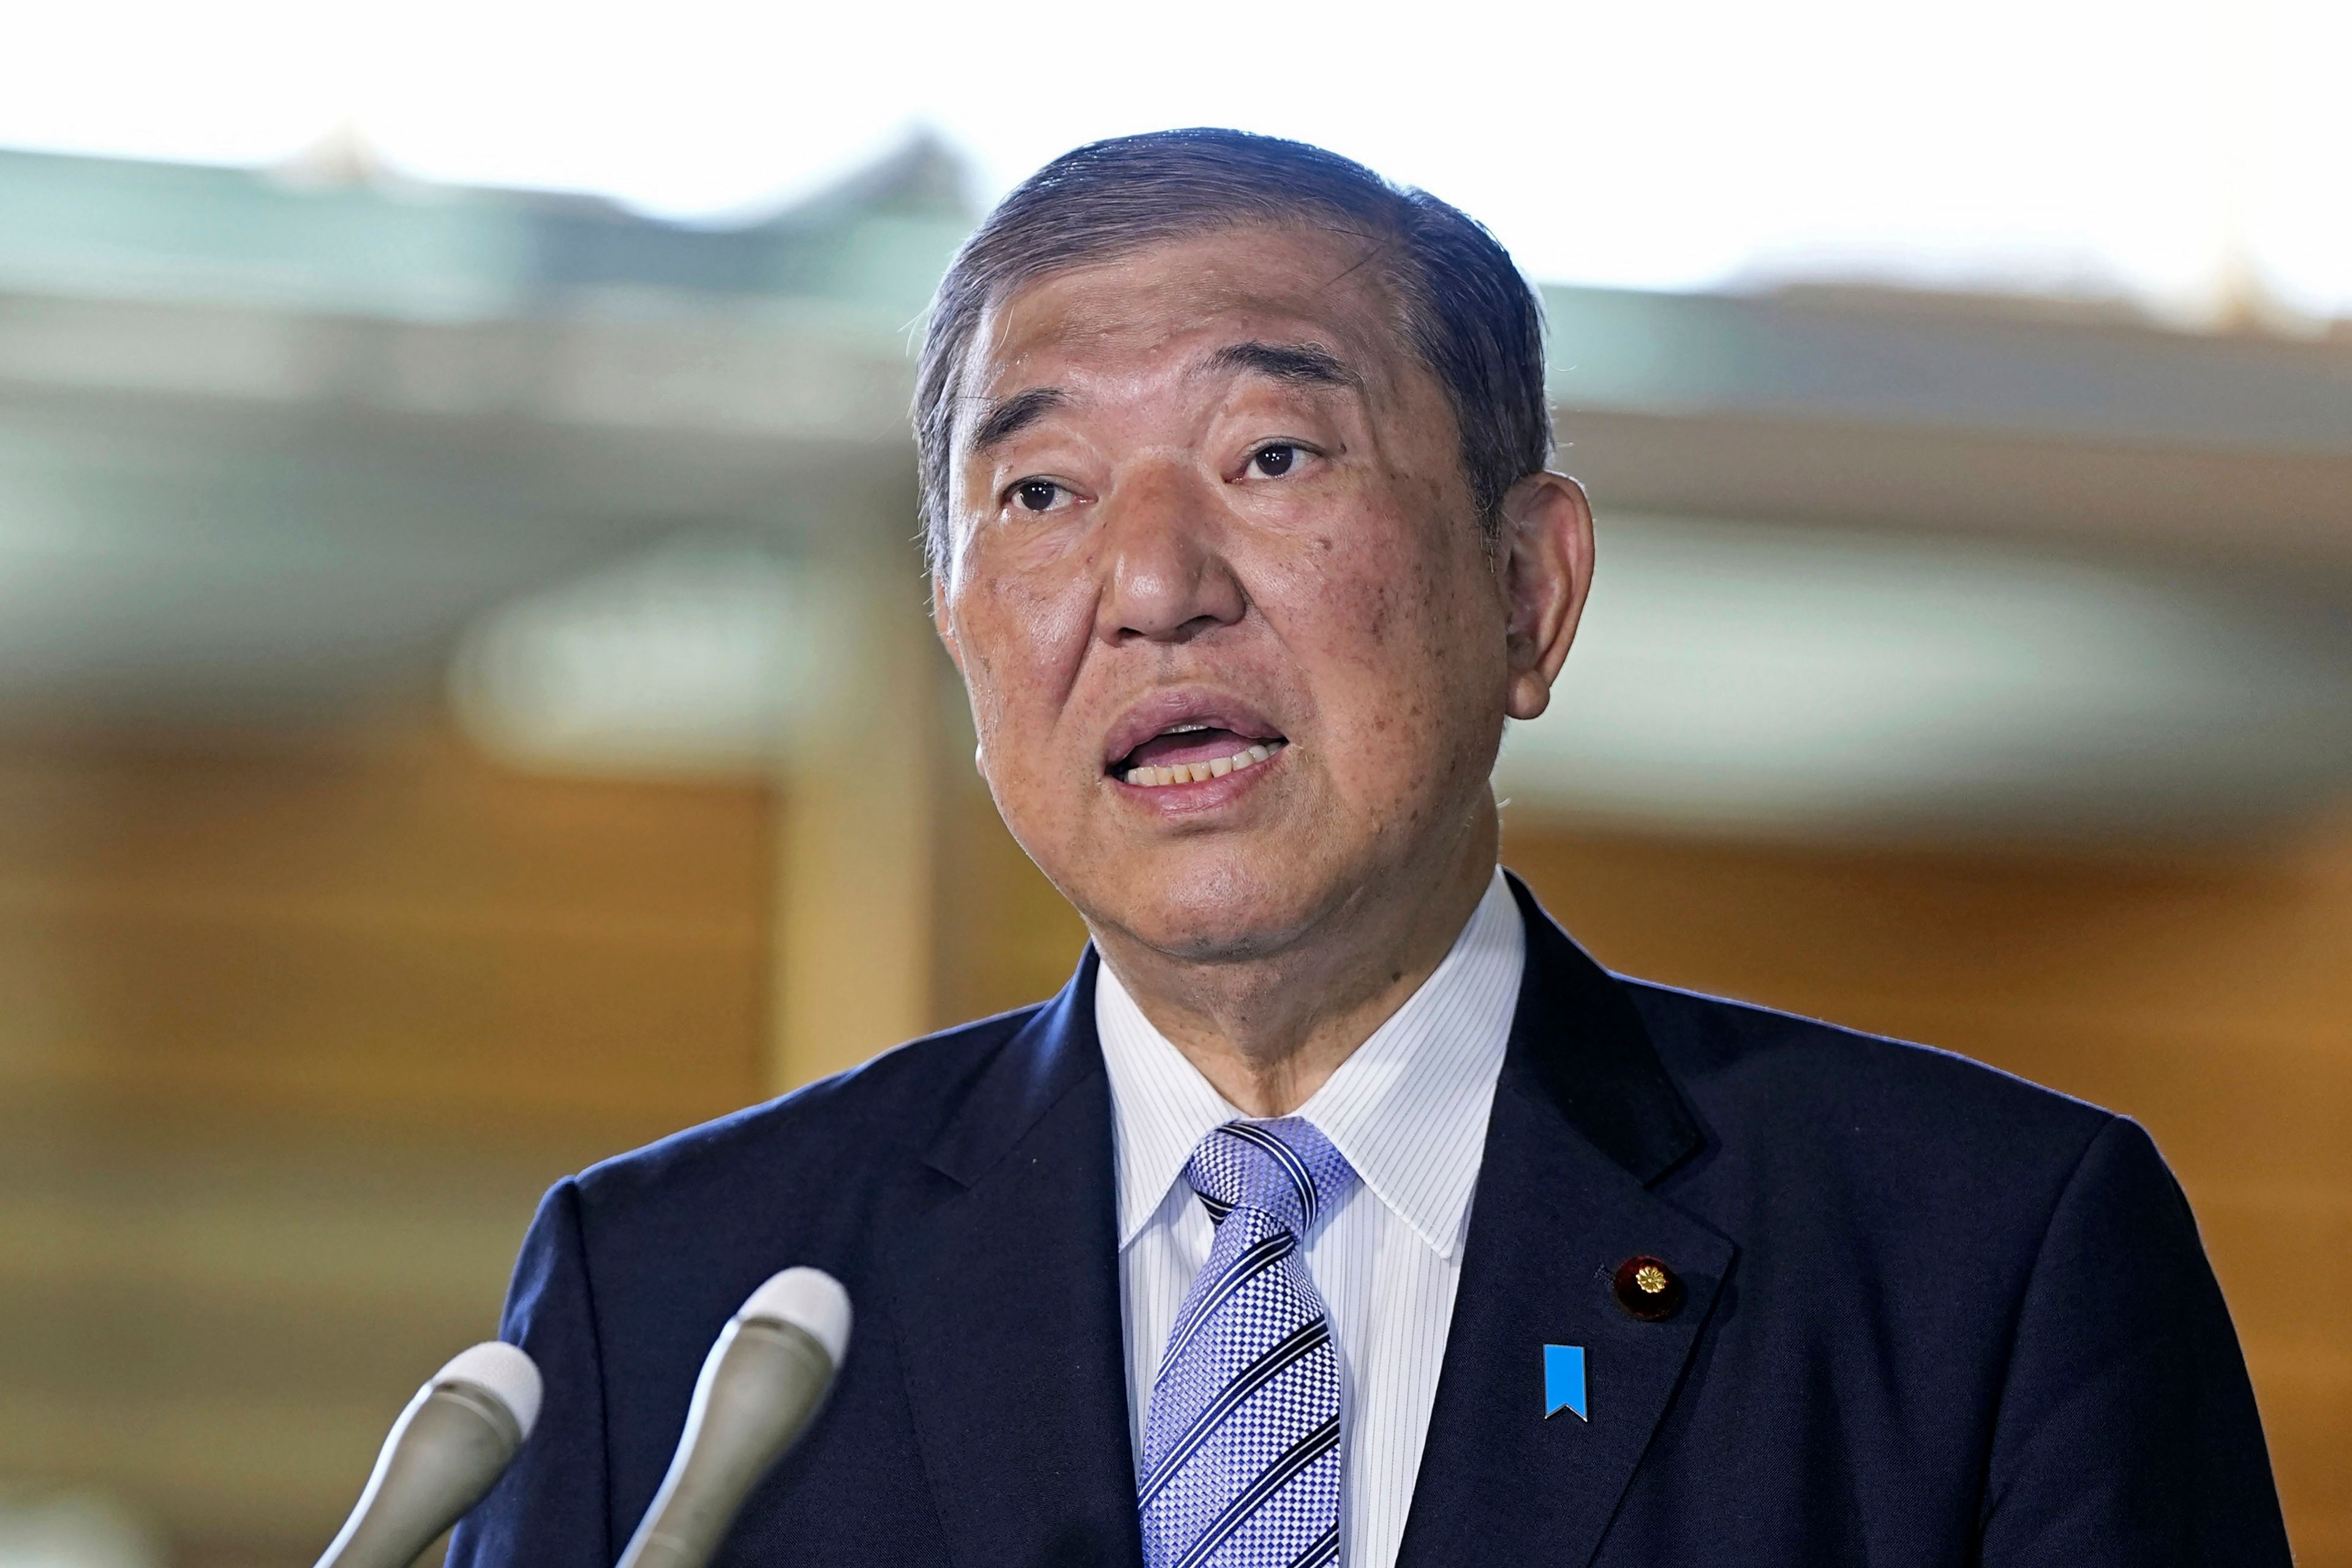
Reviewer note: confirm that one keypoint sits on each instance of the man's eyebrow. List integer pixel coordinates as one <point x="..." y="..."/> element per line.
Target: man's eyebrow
<point x="1007" y="418"/>
<point x="1310" y="363"/>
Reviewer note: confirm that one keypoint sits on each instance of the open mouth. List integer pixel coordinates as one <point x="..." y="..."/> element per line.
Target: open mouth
<point x="1193" y="753"/>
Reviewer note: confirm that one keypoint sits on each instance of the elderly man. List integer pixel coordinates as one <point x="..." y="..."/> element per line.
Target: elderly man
<point x="1339" y="1209"/>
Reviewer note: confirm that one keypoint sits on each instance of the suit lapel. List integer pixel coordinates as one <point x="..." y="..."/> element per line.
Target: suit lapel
<point x="1585" y="1118"/>
<point x="1007" y="1293"/>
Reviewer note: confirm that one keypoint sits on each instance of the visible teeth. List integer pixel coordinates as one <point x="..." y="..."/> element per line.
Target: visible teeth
<point x="1197" y="772"/>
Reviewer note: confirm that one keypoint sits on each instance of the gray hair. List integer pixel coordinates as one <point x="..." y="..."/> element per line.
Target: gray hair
<point x="1467" y="312"/>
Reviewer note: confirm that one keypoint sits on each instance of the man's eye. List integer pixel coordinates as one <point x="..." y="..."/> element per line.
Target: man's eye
<point x="1035" y="495"/>
<point x="1274" y="461"/>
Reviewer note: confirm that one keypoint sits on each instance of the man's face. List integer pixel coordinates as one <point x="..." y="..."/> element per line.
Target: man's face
<point x="1237" y="651"/>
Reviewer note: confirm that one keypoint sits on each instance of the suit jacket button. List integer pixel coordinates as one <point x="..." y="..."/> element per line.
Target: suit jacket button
<point x="1648" y="1289"/>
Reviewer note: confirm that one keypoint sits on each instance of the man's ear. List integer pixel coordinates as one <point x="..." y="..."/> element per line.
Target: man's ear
<point x="941" y="621"/>
<point x="1545" y="559"/>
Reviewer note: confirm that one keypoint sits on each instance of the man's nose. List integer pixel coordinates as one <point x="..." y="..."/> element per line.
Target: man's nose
<point x="1166" y="575"/>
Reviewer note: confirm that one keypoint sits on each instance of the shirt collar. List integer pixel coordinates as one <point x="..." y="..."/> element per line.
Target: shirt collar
<point x="1408" y="1107"/>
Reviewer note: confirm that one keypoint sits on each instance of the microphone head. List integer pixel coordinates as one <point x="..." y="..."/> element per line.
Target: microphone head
<point x="761" y="1387"/>
<point x="502" y="1372"/>
<point x="810" y="1300"/>
<point x="444" y="1454"/>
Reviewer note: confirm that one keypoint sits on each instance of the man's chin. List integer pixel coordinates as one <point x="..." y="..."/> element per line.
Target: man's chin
<point x="1230" y="919"/>
<point x="1231" y="942"/>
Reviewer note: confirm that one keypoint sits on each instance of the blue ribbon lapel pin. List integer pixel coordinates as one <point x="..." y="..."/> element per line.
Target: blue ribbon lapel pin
<point x="1564" y="1381"/>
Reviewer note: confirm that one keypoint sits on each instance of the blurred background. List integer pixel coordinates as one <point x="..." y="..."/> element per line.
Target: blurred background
<point x="467" y="706"/>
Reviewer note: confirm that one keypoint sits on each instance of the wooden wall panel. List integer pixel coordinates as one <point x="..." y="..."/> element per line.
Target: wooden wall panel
<point x="391" y="928"/>
<point x="291" y="1039"/>
<point x="1005" y="938"/>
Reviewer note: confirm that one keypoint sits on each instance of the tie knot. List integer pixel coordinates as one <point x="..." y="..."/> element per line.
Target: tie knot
<point x="1286" y="1170"/>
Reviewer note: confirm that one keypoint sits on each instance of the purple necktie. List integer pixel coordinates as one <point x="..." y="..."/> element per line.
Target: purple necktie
<point x="1240" y="1454"/>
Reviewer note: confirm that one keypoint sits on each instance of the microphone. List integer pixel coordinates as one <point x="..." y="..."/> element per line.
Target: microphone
<point x="760" y="1386"/>
<point x="456" y="1438"/>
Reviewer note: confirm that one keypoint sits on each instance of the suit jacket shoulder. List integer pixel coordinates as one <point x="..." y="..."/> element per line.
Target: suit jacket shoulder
<point x="1956" y="1290"/>
<point x="633" y="1266"/>
<point x="1876" y="1128"/>
<point x="833" y="1136"/>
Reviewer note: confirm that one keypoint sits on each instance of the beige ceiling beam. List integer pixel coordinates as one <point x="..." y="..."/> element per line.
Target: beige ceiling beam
<point x="2139" y="500"/>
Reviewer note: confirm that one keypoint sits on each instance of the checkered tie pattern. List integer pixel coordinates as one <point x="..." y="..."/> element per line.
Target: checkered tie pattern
<point x="1241" y="1453"/>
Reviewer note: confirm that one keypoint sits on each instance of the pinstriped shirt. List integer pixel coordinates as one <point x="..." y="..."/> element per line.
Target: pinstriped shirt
<point x="1409" y="1110"/>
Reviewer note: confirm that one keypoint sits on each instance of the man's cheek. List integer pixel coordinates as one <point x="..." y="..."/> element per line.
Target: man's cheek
<point x="1356" y="624"/>
<point x="1041" y="626"/>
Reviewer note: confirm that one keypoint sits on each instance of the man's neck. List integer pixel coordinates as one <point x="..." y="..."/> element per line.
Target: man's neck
<point x="1267" y="1032"/>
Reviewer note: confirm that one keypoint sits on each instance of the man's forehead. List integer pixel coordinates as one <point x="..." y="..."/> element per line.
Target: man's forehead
<point x="1181" y="300"/>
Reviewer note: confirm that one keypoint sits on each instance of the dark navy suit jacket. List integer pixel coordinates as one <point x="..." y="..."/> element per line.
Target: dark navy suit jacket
<point x="1935" y="1315"/>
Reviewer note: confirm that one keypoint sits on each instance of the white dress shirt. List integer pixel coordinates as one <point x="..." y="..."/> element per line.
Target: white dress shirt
<point x="1409" y="1110"/>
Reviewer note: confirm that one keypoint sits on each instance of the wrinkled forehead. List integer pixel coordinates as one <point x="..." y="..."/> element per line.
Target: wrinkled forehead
<point x="1158" y="304"/>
